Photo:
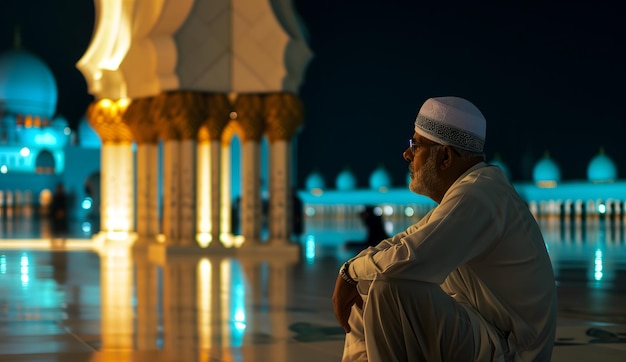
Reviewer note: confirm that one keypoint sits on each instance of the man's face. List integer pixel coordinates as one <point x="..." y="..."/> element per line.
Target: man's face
<point x="422" y="158"/>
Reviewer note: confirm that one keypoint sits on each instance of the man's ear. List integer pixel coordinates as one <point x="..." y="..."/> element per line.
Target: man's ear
<point x="446" y="157"/>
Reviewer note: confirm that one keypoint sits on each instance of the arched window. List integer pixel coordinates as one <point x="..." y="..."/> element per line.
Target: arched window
<point x="44" y="162"/>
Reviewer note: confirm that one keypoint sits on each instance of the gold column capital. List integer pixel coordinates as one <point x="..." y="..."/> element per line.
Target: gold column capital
<point x="249" y="114"/>
<point x="141" y="121"/>
<point x="217" y="116"/>
<point x="179" y="114"/>
<point x="106" y="117"/>
<point x="283" y="114"/>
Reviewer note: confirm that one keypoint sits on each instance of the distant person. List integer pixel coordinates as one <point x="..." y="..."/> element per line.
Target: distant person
<point x="470" y="281"/>
<point x="58" y="211"/>
<point x="375" y="229"/>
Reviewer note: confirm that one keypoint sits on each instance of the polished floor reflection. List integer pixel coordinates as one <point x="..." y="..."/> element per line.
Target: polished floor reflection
<point x="66" y="300"/>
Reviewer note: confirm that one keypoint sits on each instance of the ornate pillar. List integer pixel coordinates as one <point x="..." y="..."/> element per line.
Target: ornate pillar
<point x="145" y="132"/>
<point x="117" y="193"/>
<point x="283" y="114"/>
<point x="209" y="170"/>
<point x="249" y="109"/>
<point x="179" y="117"/>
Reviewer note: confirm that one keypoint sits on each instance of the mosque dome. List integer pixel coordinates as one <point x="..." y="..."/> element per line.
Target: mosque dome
<point x="497" y="161"/>
<point x="87" y="137"/>
<point x="380" y="179"/>
<point x="601" y="168"/>
<point x="546" y="172"/>
<point x="27" y="85"/>
<point x="315" y="181"/>
<point x="345" y="180"/>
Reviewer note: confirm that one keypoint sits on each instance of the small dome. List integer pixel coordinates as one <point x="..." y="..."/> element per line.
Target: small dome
<point x="601" y="168"/>
<point x="345" y="180"/>
<point x="497" y="161"/>
<point x="546" y="172"/>
<point x="27" y="86"/>
<point x="87" y="137"/>
<point x="380" y="179"/>
<point x="314" y="181"/>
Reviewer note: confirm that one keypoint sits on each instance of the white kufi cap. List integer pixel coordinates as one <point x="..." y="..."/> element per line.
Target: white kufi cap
<point x="452" y="121"/>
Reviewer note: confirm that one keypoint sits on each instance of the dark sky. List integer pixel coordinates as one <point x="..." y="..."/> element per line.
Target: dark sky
<point x="548" y="77"/>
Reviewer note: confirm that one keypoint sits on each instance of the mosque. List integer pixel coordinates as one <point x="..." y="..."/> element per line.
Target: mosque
<point x="38" y="150"/>
<point x="183" y="130"/>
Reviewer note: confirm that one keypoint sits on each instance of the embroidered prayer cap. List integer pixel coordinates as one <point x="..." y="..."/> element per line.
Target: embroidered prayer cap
<point x="452" y="121"/>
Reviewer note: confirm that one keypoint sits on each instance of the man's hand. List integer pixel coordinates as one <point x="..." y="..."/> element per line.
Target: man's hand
<point x="345" y="296"/>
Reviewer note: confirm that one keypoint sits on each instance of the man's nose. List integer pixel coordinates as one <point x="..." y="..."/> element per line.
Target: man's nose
<point x="407" y="155"/>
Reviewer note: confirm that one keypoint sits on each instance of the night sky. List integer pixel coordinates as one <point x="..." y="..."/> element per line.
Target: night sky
<point x="548" y="77"/>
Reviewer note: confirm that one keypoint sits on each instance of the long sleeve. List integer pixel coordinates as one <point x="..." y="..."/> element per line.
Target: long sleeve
<point x="430" y="250"/>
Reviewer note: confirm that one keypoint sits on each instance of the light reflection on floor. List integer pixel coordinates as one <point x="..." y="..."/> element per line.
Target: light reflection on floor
<point x="66" y="301"/>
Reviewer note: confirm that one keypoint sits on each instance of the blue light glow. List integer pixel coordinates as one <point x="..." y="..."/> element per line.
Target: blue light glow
<point x="3" y="264"/>
<point x="602" y="208"/>
<point x="25" y="152"/>
<point x="24" y="270"/>
<point x="86" y="227"/>
<point x="408" y="211"/>
<point x="309" y="249"/>
<point x="86" y="204"/>
<point x="598" y="274"/>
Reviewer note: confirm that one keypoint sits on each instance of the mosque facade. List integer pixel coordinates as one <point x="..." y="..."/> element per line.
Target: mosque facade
<point x="38" y="150"/>
<point x="196" y="106"/>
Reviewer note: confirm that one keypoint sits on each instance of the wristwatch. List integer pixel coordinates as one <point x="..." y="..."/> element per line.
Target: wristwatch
<point x="343" y="272"/>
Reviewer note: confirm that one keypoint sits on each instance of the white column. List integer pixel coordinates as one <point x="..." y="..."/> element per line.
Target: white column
<point x="209" y="187"/>
<point x="251" y="193"/>
<point x="188" y="182"/>
<point x="117" y="192"/>
<point x="147" y="191"/>
<point x="280" y="203"/>
<point x="171" y="191"/>
<point x="216" y="186"/>
<point x="204" y="194"/>
<point x="226" y="194"/>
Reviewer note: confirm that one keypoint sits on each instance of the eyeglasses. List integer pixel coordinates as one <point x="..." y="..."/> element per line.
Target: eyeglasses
<point x="413" y="146"/>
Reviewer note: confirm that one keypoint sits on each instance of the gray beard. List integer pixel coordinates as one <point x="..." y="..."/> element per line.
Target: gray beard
<point x="425" y="180"/>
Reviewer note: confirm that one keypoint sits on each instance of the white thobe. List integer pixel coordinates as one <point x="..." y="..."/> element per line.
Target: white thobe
<point x="483" y="248"/>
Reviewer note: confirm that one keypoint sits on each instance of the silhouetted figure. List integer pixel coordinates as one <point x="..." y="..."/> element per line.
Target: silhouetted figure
<point x="58" y="211"/>
<point x="375" y="229"/>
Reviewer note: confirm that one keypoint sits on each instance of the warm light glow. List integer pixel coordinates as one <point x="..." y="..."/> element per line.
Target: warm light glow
<point x="117" y="235"/>
<point x="317" y="191"/>
<point x="203" y="210"/>
<point x="546" y="184"/>
<point x="205" y="310"/>
<point x="204" y="239"/>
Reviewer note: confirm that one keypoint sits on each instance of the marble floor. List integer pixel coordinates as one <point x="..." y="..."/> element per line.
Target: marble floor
<point x="79" y="300"/>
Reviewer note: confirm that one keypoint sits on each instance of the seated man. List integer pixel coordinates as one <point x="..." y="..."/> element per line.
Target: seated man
<point x="472" y="280"/>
